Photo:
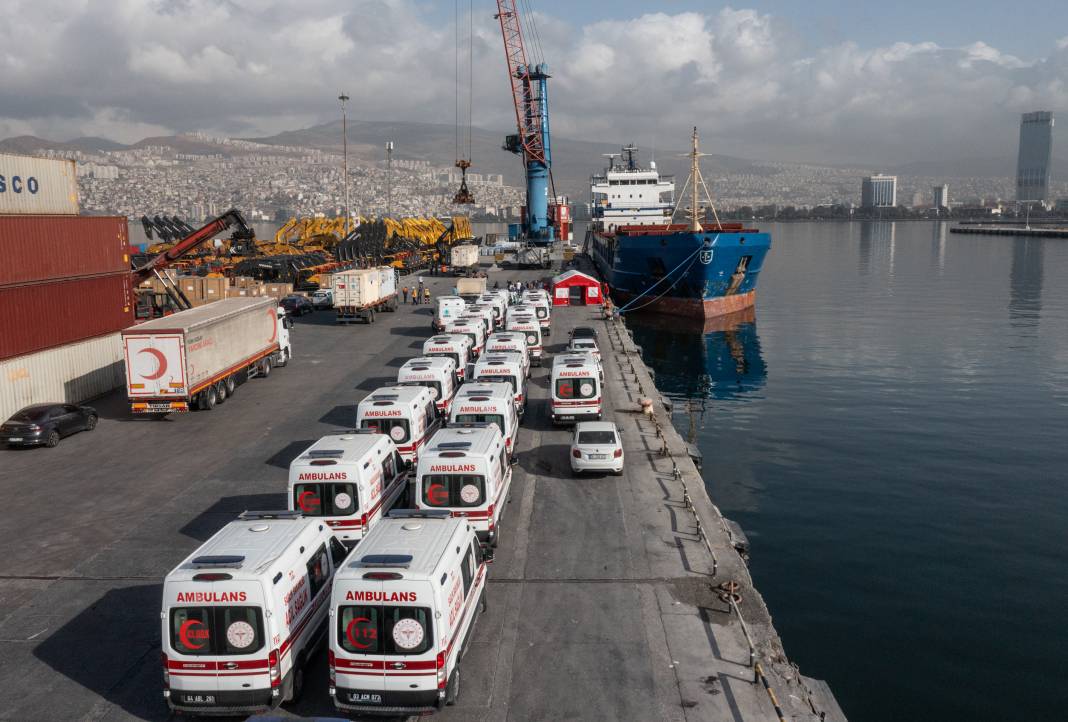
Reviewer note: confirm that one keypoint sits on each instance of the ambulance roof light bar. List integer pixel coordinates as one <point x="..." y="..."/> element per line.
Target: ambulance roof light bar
<point x="419" y="514"/>
<point x="399" y="561"/>
<point x="281" y="514"/>
<point x="225" y="561"/>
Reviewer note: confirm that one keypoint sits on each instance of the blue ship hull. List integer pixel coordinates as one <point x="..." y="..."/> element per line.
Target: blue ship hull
<point x="679" y="272"/>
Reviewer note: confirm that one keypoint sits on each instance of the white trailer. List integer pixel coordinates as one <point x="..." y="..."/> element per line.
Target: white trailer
<point x="470" y="289"/>
<point x="361" y="292"/>
<point x="528" y="256"/>
<point x="464" y="260"/>
<point x="193" y="358"/>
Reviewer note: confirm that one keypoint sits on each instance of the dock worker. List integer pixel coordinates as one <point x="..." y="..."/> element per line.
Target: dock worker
<point x="426" y="295"/>
<point x="404" y="292"/>
<point x="419" y="294"/>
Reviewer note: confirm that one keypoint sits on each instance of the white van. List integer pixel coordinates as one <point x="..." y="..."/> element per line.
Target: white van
<point x="542" y="309"/>
<point x="447" y="308"/>
<point x="349" y="481"/>
<point x="474" y="331"/>
<point x="489" y="310"/>
<point x="487" y="403"/>
<point x="530" y="328"/>
<point x="242" y="614"/>
<point x="575" y="388"/>
<point x="481" y="316"/>
<point x="407" y="414"/>
<point x="466" y="471"/>
<point x="499" y="304"/>
<point x="520" y="309"/>
<point x="402" y="614"/>
<point x="504" y="367"/>
<point x="450" y="345"/>
<point x="510" y="342"/>
<point x="436" y="373"/>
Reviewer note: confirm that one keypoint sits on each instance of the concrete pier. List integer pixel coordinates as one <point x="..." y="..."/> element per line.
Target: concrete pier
<point x="610" y="598"/>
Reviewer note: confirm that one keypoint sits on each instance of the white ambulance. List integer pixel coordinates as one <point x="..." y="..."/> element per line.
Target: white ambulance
<point x="487" y="403"/>
<point x="575" y="388"/>
<point x="520" y="309"/>
<point x="487" y="309"/>
<point x="542" y="309"/>
<point x="437" y="374"/>
<point x="450" y="345"/>
<point x="467" y="471"/>
<point x="402" y="614"/>
<point x="407" y="414"/>
<point x="242" y="614"/>
<point x="478" y="316"/>
<point x="349" y="481"/>
<point x="447" y="308"/>
<point x="504" y="367"/>
<point x="474" y="331"/>
<point x="499" y="304"/>
<point x="530" y="328"/>
<point x="510" y="342"/>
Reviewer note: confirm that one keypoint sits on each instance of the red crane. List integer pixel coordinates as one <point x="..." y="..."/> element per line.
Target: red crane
<point x="524" y="89"/>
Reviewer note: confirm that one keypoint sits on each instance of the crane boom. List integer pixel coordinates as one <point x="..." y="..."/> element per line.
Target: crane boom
<point x="160" y="261"/>
<point x="530" y="96"/>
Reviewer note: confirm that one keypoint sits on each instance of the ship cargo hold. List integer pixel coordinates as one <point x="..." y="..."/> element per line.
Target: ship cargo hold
<point x="39" y="316"/>
<point x="37" y="186"/>
<point x="71" y="374"/>
<point x="42" y="248"/>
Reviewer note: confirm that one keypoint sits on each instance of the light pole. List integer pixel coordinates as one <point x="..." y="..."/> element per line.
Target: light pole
<point x="345" y="162"/>
<point x="389" y="178"/>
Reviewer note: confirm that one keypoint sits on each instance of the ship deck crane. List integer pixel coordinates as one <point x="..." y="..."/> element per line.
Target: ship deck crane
<point x="530" y="95"/>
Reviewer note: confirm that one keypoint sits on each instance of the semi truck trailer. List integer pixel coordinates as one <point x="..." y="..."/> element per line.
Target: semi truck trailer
<point x="359" y="293"/>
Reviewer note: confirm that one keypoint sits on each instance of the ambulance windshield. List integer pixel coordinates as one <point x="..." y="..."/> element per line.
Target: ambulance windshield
<point x="396" y="429"/>
<point x="445" y="490"/>
<point x="217" y="630"/>
<point x="374" y="629"/>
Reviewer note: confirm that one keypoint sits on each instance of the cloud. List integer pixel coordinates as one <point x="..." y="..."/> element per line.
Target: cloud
<point x="125" y="68"/>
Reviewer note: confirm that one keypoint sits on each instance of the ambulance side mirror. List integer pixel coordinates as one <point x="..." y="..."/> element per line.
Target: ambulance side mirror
<point x="514" y="460"/>
<point x="487" y="553"/>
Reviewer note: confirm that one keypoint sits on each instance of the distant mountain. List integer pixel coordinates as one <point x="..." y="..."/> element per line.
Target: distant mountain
<point x="1004" y="167"/>
<point x="573" y="160"/>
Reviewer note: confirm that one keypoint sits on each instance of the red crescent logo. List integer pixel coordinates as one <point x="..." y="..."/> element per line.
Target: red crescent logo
<point x="437" y="495"/>
<point x="273" y="314"/>
<point x="303" y="498"/>
<point x="161" y="360"/>
<point x="186" y="628"/>
<point x="352" y="639"/>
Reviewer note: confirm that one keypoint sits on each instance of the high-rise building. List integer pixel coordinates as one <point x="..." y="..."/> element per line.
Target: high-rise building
<point x="1036" y="152"/>
<point x="878" y="191"/>
<point x="941" y="197"/>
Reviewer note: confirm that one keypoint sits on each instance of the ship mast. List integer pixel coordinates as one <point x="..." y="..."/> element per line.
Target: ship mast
<point x="695" y="174"/>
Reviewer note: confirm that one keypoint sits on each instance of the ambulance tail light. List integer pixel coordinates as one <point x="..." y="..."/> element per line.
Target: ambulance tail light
<point x="276" y="670"/>
<point x="363" y="521"/>
<point x="439" y="662"/>
<point x="491" y="524"/>
<point x="617" y="453"/>
<point x="331" y="660"/>
<point x="166" y="672"/>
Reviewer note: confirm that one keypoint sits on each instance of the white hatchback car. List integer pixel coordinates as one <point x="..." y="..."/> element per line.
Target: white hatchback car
<point x="596" y="446"/>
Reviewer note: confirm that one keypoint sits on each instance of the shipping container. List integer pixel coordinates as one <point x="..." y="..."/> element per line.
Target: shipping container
<point x="40" y="248"/>
<point x="464" y="259"/>
<point x="387" y="281"/>
<point x="37" y="185"/>
<point x="170" y="360"/>
<point x="70" y="374"/>
<point x="359" y="293"/>
<point x="43" y="315"/>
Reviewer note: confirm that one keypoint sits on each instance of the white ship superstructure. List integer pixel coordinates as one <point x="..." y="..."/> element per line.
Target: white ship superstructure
<point x="628" y="195"/>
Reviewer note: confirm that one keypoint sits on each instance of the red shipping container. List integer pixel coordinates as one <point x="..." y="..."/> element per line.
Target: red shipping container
<point x="40" y="248"/>
<point x="37" y="316"/>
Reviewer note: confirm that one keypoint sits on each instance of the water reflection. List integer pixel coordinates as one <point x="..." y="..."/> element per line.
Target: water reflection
<point x="938" y="247"/>
<point x="1025" y="282"/>
<point x="716" y="358"/>
<point x="876" y="239"/>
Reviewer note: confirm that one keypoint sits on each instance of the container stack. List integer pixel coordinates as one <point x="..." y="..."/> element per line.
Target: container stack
<point x="65" y="288"/>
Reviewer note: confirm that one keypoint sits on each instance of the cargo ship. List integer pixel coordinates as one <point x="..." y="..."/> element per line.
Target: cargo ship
<point x="701" y="268"/>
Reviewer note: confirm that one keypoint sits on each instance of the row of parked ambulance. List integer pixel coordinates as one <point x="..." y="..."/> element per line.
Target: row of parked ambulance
<point x="384" y="547"/>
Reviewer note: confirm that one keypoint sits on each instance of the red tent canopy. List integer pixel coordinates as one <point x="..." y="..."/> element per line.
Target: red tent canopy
<point x="574" y="288"/>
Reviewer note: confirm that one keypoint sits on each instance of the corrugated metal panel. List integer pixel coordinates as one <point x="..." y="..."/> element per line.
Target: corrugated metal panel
<point x="71" y="374"/>
<point x="37" y="248"/>
<point x="39" y="316"/>
<point x="37" y="185"/>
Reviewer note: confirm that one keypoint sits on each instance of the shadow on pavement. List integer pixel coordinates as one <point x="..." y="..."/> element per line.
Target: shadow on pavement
<point x="420" y="331"/>
<point x="283" y="458"/>
<point x="226" y="509"/>
<point x="344" y="416"/>
<point x="373" y="382"/>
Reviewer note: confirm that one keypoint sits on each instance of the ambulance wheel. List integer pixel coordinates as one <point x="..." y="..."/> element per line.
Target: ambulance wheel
<point x="231" y="384"/>
<point x="220" y="391"/>
<point x="452" y="691"/>
<point x="297" y="685"/>
<point x="53" y="440"/>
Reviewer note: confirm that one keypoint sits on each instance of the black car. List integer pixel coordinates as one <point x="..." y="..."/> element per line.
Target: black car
<point x="297" y="305"/>
<point x="583" y="332"/>
<point x="46" y="424"/>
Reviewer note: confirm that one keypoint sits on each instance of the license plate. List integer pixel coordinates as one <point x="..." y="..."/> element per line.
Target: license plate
<point x="363" y="698"/>
<point x="566" y="418"/>
<point x="198" y="698"/>
<point x="15" y="438"/>
<point x="598" y="457"/>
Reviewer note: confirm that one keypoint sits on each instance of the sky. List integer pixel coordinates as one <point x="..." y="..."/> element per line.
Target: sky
<point x="821" y="81"/>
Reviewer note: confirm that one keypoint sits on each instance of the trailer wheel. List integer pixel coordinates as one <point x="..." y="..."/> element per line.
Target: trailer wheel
<point x="220" y="391"/>
<point x="231" y="384"/>
<point x="208" y="398"/>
